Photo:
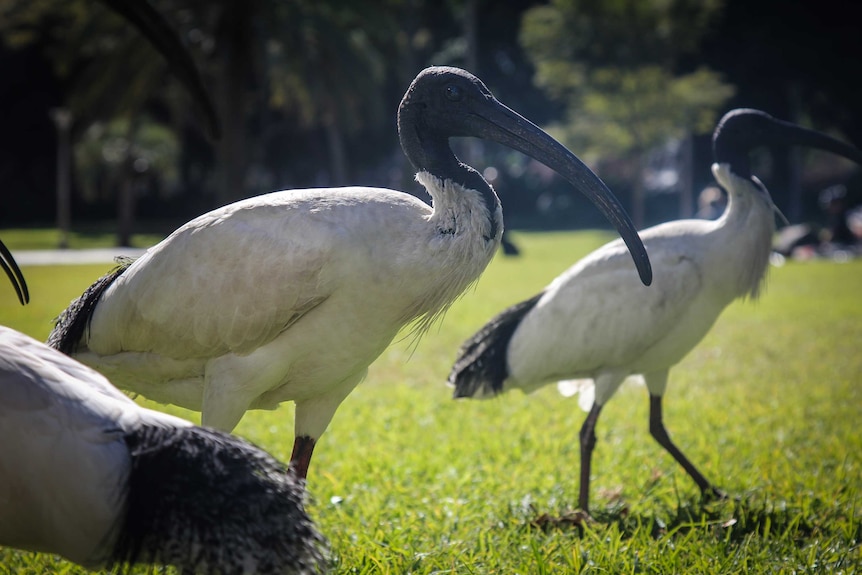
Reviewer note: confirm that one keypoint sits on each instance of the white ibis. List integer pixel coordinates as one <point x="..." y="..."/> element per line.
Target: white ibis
<point x="88" y="474"/>
<point x="10" y="266"/>
<point x="291" y="295"/>
<point x="596" y="321"/>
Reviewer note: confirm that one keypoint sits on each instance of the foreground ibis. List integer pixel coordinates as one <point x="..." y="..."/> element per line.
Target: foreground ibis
<point x="292" y="295"/>
<point x="88" y="474"/>
<point x="597" y="322"/>
<point x="10" y="266"/>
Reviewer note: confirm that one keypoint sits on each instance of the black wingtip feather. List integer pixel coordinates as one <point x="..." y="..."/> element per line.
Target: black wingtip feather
<point x="70" y="325"/>
<point x="481" y="360"/>
<point x="209" y="502"/>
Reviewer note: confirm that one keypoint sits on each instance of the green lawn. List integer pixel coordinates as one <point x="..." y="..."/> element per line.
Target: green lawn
<point x="407" y="480"/>
<point x="82" y="237"/>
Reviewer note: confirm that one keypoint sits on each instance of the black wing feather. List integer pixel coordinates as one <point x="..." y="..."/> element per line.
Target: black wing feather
<point x="482" y="358"/>
<point x="70" y="325"/>
<point x="212" y="503"/>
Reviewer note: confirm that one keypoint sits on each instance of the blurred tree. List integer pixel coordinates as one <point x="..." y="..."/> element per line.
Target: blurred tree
<point x="327" y="66"/>
<point x="104" y="70"/>
<point x="794" y="60"/>
<point x="127" y="158"/>
<point x="276" y="67"/>
<point x="613" y="64"/>
<point x="282" y="71"/>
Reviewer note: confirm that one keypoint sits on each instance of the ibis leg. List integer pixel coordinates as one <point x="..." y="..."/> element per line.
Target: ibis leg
<point x="659" y="433"/>
<point x="303" y="446"/>
<point x="588" y="442"/>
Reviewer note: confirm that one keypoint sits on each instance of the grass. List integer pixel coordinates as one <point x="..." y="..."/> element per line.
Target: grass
<point x="408" y="481"/>
<point x="82" y="237"/>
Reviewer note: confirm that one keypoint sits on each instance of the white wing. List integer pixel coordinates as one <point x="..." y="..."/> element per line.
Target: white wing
<point x="235" y="278"/>
<point x="63" y="461"/>
<point x="598" y="315"/>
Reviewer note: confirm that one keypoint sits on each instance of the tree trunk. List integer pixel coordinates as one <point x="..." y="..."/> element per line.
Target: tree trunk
<point x="337" y="153"/>
<point x="126" y="189"/>
<point x="638" y="194"/>
<point x="473" y="146"/>
<point x="234" y="39"/>
<point x="126" y="207"/>
<point x="63" y="121"/>
<point x="794" y="175"/>
<point x="686" y="177"/>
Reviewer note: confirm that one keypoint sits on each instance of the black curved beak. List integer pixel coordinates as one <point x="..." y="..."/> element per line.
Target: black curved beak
<point x="788" y="134"/>
<point x="496" y="121"/>
<point x="156" y="29"/>
<point x="10" y="266"/>
<point x="742" y="130"/>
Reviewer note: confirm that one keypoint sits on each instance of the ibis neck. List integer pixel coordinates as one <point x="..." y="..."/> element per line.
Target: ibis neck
<point x="430" y="153"/>
<point x="748" y="226"/>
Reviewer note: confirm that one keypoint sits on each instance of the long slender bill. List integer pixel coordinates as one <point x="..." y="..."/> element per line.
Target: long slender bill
<point x="10" y="266"/>
<point x="790" y="134"/>
<point x="502" y="124"/>
<point x="742" y="130"/>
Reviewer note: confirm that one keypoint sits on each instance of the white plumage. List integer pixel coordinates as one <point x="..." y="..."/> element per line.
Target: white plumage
<point x="704" y="265"/>
<point x="282" y="313"/>
<point x="596" y="321"/>
<point x="291" y="295"/>
<point x="88" y="474"/>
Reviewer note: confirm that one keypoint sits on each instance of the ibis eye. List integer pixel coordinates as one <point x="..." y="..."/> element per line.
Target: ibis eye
<point x="454" y="93"/>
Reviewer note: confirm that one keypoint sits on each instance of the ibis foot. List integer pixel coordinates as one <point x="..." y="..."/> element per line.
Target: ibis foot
<point x="567" y="519"/>
<point x="713" y="494"/>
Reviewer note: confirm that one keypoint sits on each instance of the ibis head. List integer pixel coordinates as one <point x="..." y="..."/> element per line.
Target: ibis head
<point x="742" y="130"/>
<point x="10" y="266"/>
<point x="344" y="270"/>
<point x="445" y="102"/>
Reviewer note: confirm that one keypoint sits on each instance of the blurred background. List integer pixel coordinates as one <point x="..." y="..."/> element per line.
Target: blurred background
<point x="307" y="93"/>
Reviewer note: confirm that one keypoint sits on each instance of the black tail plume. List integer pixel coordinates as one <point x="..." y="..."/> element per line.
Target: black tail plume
<point x="209" y="502"/>
<point x="482" y="358"/>
<point x="70" y="325"/>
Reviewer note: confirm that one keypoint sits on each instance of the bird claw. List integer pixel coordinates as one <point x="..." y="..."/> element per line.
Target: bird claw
<point x="570" y="518"/>
<point x="714" y="494"/>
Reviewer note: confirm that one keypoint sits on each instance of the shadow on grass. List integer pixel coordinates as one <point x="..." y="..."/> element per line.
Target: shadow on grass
<point x="732" y="520"/>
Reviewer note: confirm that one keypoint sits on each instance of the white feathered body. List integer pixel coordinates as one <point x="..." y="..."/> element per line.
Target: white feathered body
<point x="608" y="325"/>
<point x="63" y="458"/>
<point x="286" y="296"/>
<point x="88" y="474"/>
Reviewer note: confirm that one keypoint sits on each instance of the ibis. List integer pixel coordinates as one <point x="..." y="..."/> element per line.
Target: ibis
<point x="10" y="266"/>
<point x="292" y="295"/>
<point x="88" y="474"/>
<point x="596" y="322"/>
